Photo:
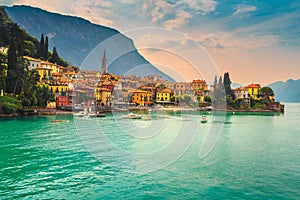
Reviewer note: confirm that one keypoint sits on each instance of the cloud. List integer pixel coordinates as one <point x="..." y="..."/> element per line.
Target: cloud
<point x="97" y="11"/>
<point x="205" y="6"/>
<point x="174" y="14"/>
<point x="127" y="1"/>
<point x="182" y="18"/>
<point x="225" y="42"/>
<point x="157" y="9"/>
<point x="242" y="9"/>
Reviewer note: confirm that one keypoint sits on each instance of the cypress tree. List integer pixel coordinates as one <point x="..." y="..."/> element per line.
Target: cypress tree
<point x="227" y="85"/>
<point x="220" y="84"/>
<point x="42" y="47"/>
<point x="46" y="49"/>
<point x="54" y="58"/>
<point x="12" y="68"/>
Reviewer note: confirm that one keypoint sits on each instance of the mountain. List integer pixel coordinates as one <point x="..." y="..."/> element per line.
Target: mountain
<point x="82" y="43"/>
<point x="288" y="91"/>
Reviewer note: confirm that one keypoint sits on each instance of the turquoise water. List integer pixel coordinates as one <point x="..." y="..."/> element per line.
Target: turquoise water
<point x="256" y="157"/>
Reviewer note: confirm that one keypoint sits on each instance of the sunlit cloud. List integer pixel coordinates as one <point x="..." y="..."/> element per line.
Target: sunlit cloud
<point x="97" y="11"/>
<point x="244" y="10"/>
<point x="227" y="43"/>
<point x="205" y="6"/>
<point x="157" y="9"/>
<point x="182" y="18"/>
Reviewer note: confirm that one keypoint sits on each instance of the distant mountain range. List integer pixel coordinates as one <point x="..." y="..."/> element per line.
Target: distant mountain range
<point x="288" y="91"/>
<point x="76" y="39"/>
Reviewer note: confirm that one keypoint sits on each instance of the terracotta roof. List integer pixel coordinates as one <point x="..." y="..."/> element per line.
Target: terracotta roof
<point x="140" y="91"/>
<point x="253" y="86"/>
<point x="56" y="74"/>
<point x="70" y="73"/>
<point x="199" y="81"/>
<point x="166" y="90"/>
<point x="240" y="89"/>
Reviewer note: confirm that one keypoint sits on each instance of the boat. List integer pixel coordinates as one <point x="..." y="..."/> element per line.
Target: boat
<point x="92" y="115"/>
<point x="79" y="114"/>
<point x="203" y="119"/>
<point x="101" y="115"/>
<point x="132" y="116"/>
<point x="57" y="121"/>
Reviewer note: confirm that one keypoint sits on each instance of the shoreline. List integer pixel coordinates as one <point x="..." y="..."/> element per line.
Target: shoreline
<point x="145" y="109"/>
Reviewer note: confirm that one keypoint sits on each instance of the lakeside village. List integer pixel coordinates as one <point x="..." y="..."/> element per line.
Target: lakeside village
<point x="72" y="89"/>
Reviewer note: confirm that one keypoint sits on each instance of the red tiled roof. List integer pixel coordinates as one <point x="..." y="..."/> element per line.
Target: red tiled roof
<point x="199" y="81"/>
<point x="253" y="86"/>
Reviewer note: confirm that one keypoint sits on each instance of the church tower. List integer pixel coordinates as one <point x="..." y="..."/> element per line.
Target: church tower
<point x="104" y="63"/>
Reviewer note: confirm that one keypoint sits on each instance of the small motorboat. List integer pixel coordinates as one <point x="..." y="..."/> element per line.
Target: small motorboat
<point x="57" y="121"/>
<point x="101" y="115"/>
<point x="132" y="116"/>
<point x="92" y="115"/>
<point x="203" y="119"/>
<point x="79" y="114"/>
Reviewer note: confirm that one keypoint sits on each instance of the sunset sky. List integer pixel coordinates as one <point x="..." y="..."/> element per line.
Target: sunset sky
<point x="256" y="41"/>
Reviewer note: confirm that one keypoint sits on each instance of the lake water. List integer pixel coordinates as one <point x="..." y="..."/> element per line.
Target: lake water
<point x="253" y="157"/>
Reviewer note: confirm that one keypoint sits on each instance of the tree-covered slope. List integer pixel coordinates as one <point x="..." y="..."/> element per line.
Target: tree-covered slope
<point x="77" y="37"/>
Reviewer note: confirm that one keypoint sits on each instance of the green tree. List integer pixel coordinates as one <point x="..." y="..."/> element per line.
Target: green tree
<point x="12" y="68"/>
<point x="29" y="48"/>
<point x="266" y="93"/>
<point x="173" y="98"/>
<point x="207" y="99"/>
<point x="227" y="85"/>
<point x="42" y="48"/>
<point x="3" y="70"/>
<point x="218" y="97"/>
<point x="54" y="58"/>
<point x="46" y="49"/>
<point x="43" y="96"/>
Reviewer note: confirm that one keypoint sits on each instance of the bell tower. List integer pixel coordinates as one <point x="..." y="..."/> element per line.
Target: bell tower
<point x="104" y="63"/>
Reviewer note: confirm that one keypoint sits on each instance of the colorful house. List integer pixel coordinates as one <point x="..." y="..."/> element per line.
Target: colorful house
<point x="59" y="89"/>
<point x="103" y="96"/>
<point x="242" y="93"/>
<point x="163" y="95"/>
<point x="200" y="89"/>
<point x="253" y="90"/>
<point x="141" y="97"/>
<point x="44" y="72"/>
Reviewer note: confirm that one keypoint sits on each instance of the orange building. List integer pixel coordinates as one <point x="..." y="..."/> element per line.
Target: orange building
<point x="141" y="97"/>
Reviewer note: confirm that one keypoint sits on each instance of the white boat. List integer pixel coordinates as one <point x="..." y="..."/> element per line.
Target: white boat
<point x="203" y="119"/>
<point x="132" y="116"/>
<point x="58" y="120"/>
<point x="79" y="114"/>
<point x="92" y="115"/>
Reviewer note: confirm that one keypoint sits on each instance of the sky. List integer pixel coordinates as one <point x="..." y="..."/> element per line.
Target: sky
<point x="255" y="41"/>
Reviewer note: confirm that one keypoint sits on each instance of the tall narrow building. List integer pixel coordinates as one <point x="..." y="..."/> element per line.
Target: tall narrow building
<point x="104" y="63"/>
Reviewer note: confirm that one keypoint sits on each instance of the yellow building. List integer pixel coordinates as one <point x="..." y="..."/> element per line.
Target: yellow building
<point x="163" y="95"/>
<point x="44" y="72"/>
<point x="253" y="90"/>
<point x="104" y="89"/>
<point x="141" y="97"/>
<point x="60" y="89"/>
<point x="103" y="96"/>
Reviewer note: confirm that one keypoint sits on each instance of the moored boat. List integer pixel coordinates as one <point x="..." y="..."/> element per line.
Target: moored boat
<point x="57" y="121"/>
<point x="132" y="116"/>
<point x="79" y="114"/>
<point x="203" y="119"/>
